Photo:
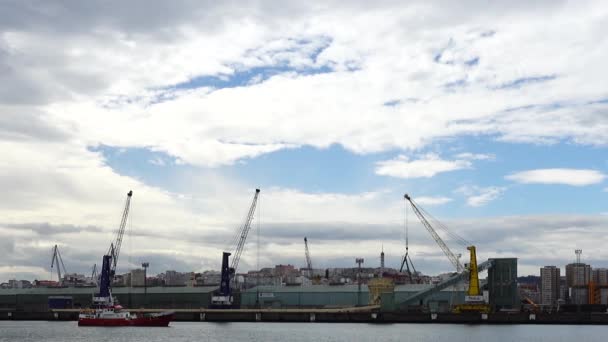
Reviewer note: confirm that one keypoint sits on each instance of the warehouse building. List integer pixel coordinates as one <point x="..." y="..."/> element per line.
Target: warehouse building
<point x="328" y="296"/>
<point x="38" y="299"/>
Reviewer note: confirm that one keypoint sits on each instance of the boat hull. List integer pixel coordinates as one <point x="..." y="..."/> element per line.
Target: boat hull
<point x="162" y="320"/>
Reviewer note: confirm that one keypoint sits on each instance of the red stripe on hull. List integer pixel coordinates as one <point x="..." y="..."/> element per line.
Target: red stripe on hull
<point x="160" y="321"/>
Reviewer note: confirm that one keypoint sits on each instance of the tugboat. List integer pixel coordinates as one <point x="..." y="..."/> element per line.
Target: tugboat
<point x="105" y="312"/>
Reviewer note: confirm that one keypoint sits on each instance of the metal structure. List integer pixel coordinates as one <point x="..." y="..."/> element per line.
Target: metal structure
<point x="58" y="261"/>
<point x="453" y="280"/>
<point x="446" y="250"/>
<point x="94" y="274"/>
<point x="224" y="298"/>
<point x="114" y="250"/>
<point x="307" y="252"/>
<point x="407" y="260"/>
<point x="145" y="266"/>
<point x="382" y="259"/>
<point x="359" y="261"/>
<point x="110" y="260"/>
<point x="474" y="301"/>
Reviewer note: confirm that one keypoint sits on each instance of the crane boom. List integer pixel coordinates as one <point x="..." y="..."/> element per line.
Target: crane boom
<point x="244" y="231"/>
<point x="57" y="260"/>
<point x="308" y="261"/>
<point x="436" y="237"/>
<point x="114" y="250"/>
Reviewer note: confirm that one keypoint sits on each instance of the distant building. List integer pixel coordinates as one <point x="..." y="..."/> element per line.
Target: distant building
<point x="284" y="270"/>
<point x="209" y="278"/>
<point x="261" y="278"/>
<point x="190" y="279"/>
<point x="72" y="279"/>
<point x="578" y="274"/>
<point x="173" y="278"/>
<point x="138" y="277"/>
<point x="17" y="284"/>
<point x="46" y="283"/>
<point x="549" y="285"/>
<point x="600" y="276"/>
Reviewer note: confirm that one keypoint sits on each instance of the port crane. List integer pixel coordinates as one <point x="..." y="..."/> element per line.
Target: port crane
<point x="110" y="260"/>
<point x="474" y="301"/>
<point x="307" y="253"/>
<point x="58" y="261"/>
<point x="315" y="279"/>
<point x="224" y="297"/>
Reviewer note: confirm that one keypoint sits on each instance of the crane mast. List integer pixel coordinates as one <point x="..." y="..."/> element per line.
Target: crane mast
<point x="446" y="250"/>
<point x="308" y="261"/>
<point x="57" y="260"/>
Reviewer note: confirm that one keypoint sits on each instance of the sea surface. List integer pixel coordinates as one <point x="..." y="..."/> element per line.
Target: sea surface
<point x="318" y="332"/>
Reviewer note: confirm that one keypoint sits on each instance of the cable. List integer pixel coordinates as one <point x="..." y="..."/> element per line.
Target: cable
<point x="438" y="224"/>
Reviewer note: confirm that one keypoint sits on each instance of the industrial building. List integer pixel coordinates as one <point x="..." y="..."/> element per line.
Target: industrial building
<point x="502" y="284"/>
<point x="37" y="299"/>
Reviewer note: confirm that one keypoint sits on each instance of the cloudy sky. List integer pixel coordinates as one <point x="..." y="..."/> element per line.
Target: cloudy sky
<point x="494" y="117"/>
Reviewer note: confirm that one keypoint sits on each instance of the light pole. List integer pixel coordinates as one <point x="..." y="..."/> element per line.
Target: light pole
<point x="145" y="265"/>
<point x="359" y="261"/>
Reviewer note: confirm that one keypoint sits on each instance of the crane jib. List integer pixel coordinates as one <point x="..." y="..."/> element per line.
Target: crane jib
<point x="453" y="259"/>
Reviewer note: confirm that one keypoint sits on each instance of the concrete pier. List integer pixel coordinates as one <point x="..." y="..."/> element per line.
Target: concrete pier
<point x="351" y="315"/>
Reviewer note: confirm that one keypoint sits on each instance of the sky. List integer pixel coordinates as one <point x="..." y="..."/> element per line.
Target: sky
<point x="493" y="116"/>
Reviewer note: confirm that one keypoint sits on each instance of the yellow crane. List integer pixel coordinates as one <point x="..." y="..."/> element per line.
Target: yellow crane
<point x="474" y="300"/>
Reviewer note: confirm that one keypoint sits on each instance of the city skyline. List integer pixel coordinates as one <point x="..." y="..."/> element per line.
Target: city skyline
<point x="494" y="118"/>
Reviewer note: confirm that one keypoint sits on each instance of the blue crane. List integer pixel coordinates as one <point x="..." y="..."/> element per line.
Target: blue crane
<point x="108" y="266"/>
<point x="224" y="296"/>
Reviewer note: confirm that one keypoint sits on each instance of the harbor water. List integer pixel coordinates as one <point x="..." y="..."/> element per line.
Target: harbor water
<point x="36" y="331"/>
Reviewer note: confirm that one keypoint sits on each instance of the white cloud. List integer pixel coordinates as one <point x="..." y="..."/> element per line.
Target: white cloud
<point x="439" y="200"/>
<point x="475" y="156"/>
<point x="574" y="177"/>
<point x="158" y="161"/>
<point x="480" y="196"/>
<point x="112" y="82"/>
<point x="93" y="76"/>
<point x="427" y="166"/>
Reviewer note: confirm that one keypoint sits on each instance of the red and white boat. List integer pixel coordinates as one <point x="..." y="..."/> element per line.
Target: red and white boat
<point x="116" y="316"/>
